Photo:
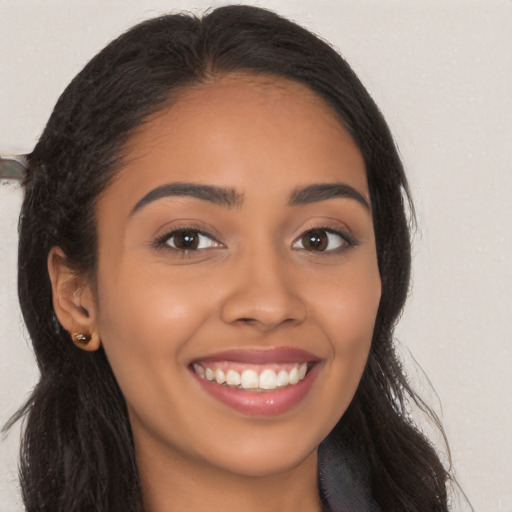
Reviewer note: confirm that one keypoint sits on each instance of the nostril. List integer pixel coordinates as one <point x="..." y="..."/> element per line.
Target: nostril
<point x="248" y="321"/>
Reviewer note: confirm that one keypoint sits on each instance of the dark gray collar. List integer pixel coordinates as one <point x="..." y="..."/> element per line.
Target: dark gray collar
<point x="344" y="477"/>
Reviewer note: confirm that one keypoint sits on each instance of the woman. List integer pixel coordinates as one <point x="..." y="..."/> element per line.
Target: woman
<point x="213" y="254"/>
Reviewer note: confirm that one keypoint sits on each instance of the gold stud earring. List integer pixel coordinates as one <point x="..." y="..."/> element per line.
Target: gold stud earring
<point x="80" y="338"/>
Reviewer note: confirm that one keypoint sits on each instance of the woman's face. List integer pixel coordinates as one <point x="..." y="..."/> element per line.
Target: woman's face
<point x="236" y="243"/>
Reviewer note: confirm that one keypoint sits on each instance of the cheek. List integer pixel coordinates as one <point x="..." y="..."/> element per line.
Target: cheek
<point x="347" y="314"/>
<point x="348" y="306"/>
<point x="144" y="306"/>
<point x="144" y="329"/>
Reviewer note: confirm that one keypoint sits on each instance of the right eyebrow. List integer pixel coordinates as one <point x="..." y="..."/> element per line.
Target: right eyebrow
<point x="227" y="197"/>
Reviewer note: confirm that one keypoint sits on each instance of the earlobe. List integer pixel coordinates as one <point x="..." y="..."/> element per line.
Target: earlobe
<point x="73" y="301"/>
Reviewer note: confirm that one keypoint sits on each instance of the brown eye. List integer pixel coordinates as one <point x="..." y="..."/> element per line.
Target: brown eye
<point x="186" y="240"/>
<point x="321" y="240"/>
<point x="189" y="240"/>
<point x="315" y="240"/>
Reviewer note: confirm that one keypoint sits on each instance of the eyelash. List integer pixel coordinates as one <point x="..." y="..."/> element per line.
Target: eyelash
<point x="162" y="242"/>
<point x="348" y="240"/>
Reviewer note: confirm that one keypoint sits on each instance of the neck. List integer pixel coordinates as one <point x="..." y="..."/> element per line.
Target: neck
<point x="171" y="485"/>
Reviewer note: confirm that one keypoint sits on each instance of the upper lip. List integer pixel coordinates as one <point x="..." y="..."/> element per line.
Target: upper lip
<point x="263" y="356"/>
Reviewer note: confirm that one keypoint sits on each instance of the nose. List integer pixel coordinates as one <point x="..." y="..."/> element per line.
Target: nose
<point x="263" y="294"/>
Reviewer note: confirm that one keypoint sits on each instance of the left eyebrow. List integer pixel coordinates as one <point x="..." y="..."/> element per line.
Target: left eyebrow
<point x="324" y="191"/>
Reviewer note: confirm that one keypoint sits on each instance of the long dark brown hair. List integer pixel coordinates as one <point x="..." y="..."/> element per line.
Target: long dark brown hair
<point x="77" y="452"/>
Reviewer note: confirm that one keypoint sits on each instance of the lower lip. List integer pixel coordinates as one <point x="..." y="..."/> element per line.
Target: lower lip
<point x="262" y="403"/>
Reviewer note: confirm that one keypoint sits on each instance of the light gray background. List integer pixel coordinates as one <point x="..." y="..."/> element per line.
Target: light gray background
<point x="441" y="71"/>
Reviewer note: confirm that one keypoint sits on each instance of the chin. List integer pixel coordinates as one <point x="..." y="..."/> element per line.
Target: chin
<point x="260" y="463"/>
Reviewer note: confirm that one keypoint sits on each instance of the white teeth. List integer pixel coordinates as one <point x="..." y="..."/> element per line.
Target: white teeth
<point x="283" y="378"/>
<point x="232" y="378"/>
<point x="249" y="379"/>
<point x="303" y="368"/>
<point x="294" y="376"/>
<point x="220" y="377"/>
<point x="208" y="373"/>
<point x="199" y="370"/>
<point x="268" y="379"/>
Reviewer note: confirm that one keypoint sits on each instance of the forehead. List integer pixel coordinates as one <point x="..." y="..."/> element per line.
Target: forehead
<point x="244" y="131"/>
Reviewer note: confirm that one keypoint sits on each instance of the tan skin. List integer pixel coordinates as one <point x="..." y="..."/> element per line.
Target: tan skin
<point x="253" y="281"/>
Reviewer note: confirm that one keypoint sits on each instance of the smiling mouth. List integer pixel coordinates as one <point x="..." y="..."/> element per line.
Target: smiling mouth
<point x="252" y="377"/>
<point x="258" y="382"/>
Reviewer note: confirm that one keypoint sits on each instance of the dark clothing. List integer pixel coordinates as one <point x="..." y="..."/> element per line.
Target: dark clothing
<point x="344" y="478"/>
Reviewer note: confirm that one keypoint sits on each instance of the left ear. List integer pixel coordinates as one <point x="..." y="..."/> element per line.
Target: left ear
<point x="73" y="301"/>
